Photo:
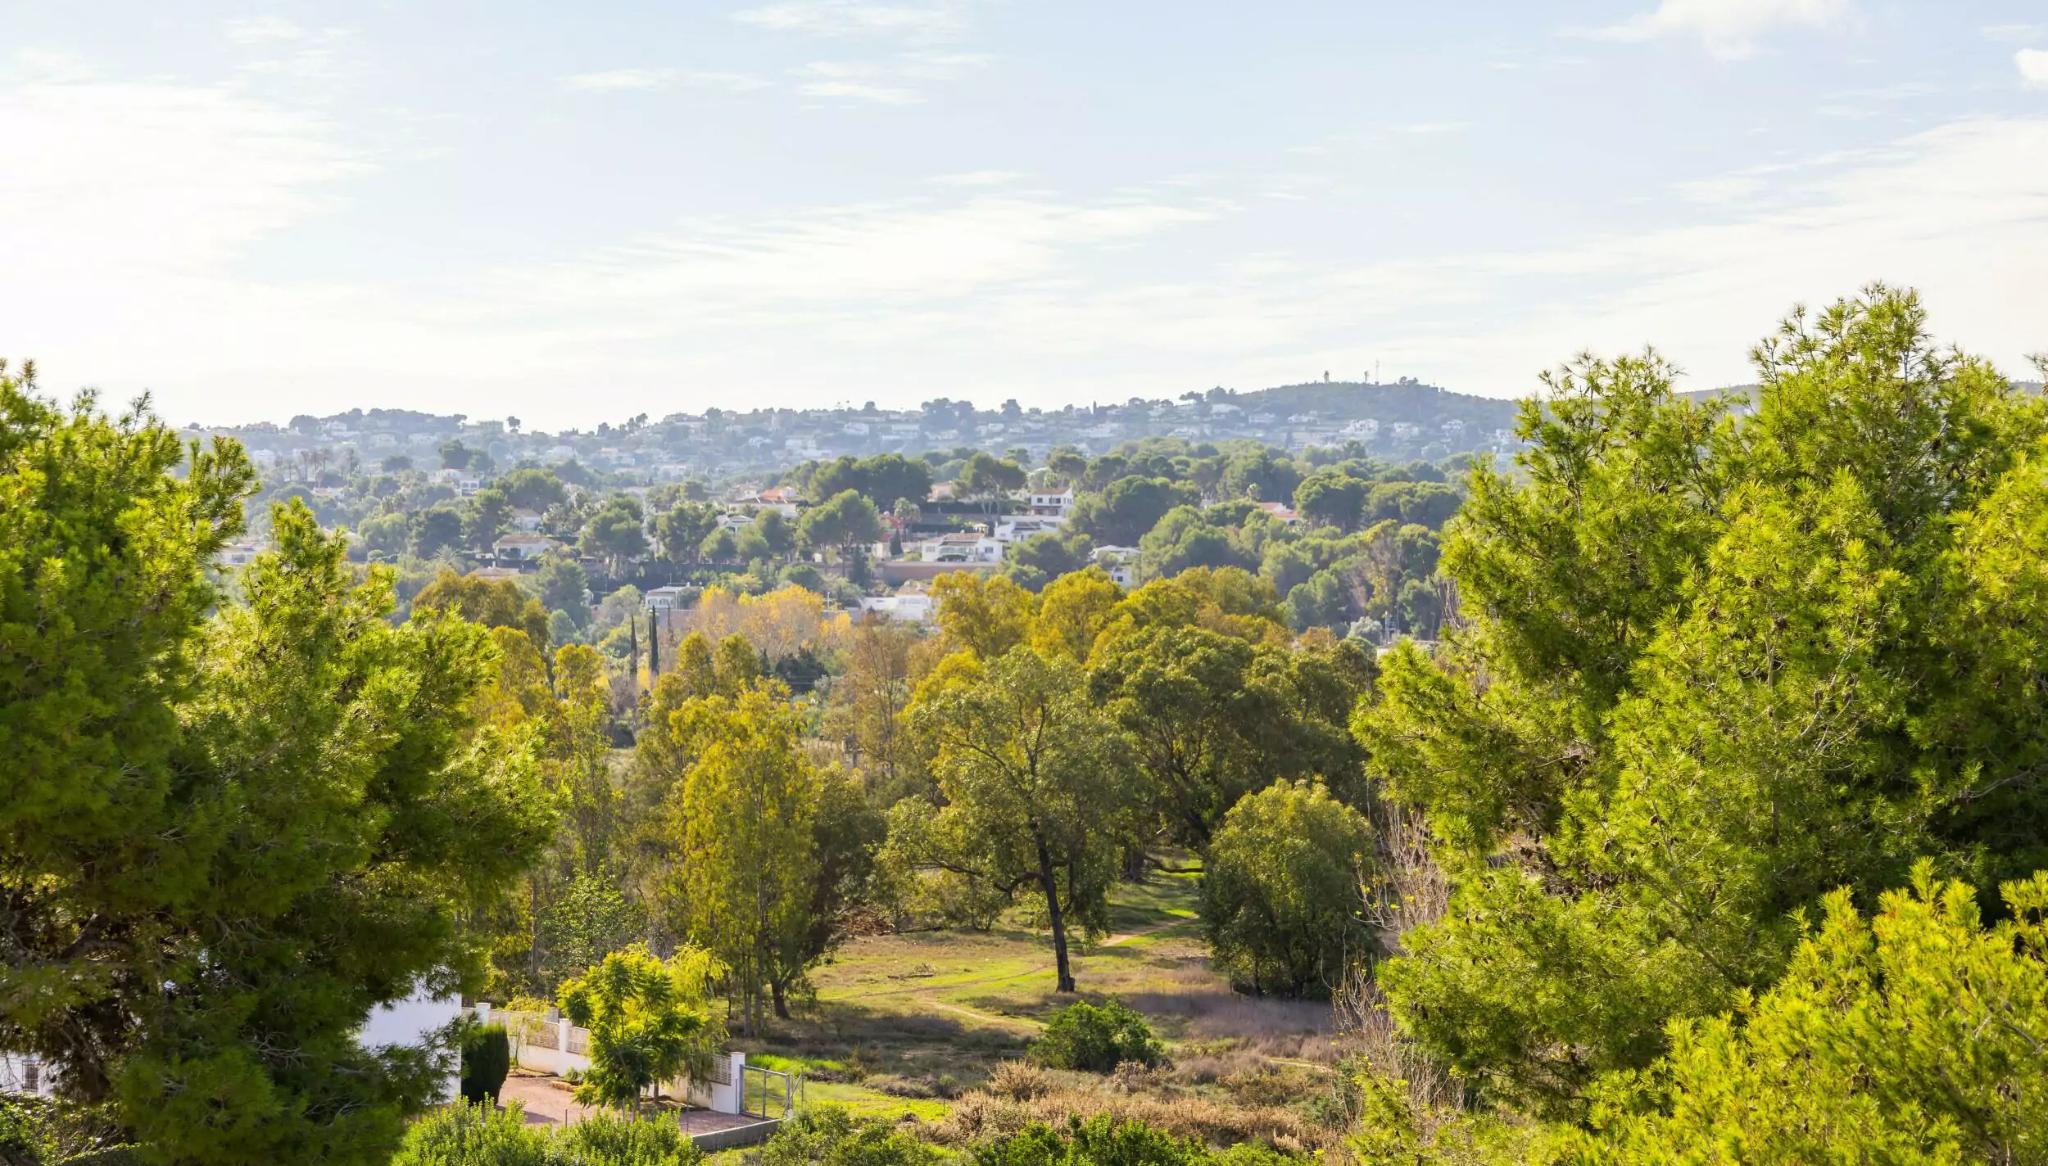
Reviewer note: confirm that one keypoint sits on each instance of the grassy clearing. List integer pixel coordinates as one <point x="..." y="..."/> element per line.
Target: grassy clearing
<point x="915" y="1024"/>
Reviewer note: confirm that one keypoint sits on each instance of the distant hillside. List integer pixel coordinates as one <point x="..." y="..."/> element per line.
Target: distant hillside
<point x="1406" y="401"/>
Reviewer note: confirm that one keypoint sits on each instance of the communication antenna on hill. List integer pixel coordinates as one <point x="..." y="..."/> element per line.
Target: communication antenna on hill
<point x="1375" y="372"/>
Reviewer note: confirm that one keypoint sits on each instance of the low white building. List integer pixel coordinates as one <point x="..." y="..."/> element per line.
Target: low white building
<point x="665" y="599"/>
<point x="1056" y="503"/>
<point x="901" y="608"/>
<point x="239" y="553"/>
<point x="21" y="1073"/>
<point x="1119" y="563"/>
<point x="1015" y="528"/>
<point x="523" y="548"/>
<point x="961" y="548"/>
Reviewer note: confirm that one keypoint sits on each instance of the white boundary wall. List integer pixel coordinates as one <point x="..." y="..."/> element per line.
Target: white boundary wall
<point x="417" y="1020"/>
<point x="559" y="1047"/>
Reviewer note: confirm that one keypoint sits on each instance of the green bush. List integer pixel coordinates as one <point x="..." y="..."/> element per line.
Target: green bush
<point x="479" y="1135"/>
<point x="486" y="1060"/>
<point x="1106" y="1141"/>
<point x="475" y="1135"/>
<point x="1280" y="890"/>
<point x="607" y="1139"/>
<point x="1096" y="1040"/>
<point x="828" y="1136"/>
<point x="35" y="1131"/>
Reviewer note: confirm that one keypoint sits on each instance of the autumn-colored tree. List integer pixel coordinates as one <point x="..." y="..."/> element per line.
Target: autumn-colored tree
<point x="1073" y="610"/>
<point x="742" y="817"/>
<point x="985" y="615"/>
<point x="493" y="603"/>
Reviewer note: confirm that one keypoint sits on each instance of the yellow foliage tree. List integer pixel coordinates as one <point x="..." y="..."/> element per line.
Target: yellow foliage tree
<point x="984" y="615"/>
<point x="743" y="817"/>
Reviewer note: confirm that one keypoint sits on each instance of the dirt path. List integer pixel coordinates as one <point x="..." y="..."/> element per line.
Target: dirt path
<point x="547" y="1102"/>
<point x="1142" y="932"/>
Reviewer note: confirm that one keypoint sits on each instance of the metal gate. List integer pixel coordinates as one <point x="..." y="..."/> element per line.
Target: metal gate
<point x="763" y="1089"/>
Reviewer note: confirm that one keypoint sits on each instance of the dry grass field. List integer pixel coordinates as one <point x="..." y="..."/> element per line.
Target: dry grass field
<point x="927" y="1026"/>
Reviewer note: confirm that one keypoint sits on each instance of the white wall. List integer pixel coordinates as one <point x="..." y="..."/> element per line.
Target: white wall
<point x="16" y="1070"/>
<point x="415" y="1020"/>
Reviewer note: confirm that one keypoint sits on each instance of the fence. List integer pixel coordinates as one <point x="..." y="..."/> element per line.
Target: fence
<point x="760" y="1088"/>
<point x="547" y="1042"/>
<point x="550" y="1044"/>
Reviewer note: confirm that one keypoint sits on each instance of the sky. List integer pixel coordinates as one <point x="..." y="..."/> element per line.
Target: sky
<point x="573" y="213"/>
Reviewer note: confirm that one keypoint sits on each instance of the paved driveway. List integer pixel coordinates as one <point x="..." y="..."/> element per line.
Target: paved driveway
<point x="547" y="1101"/>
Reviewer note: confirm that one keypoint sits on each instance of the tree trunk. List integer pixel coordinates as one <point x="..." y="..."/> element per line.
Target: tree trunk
<point x="781" y="999"/>
<point x="1052" y="910"/>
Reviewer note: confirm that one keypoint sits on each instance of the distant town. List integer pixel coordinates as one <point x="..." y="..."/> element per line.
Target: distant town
<point x="1401" y="421"/>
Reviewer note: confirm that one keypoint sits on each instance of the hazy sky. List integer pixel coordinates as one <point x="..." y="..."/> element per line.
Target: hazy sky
<point x="574" y="212"/>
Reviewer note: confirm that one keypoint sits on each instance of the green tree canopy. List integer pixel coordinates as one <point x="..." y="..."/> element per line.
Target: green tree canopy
<point x="436" y="529"/>
<point x="743" y="816"/>
<point x="229" y="830"/>
<point x="1215" y="717"/>
<point x="680" y="531"/>
<point x="1282" y="891"/>
<point x="1918" y="1036"/>
<point x="495" y="603"/>
<point x="532" y="489"/>
<point x="616" y="532"/>
<point x="1036" y="791"/>
<point x="648" y="1023"/>
<point x="883" y="480"/>
<point x="1331" y="498"/>
<point x="844" y="521"/>
<point x="988" y="478"/>
<point x="1717" y="666"/>
<point x="1130" y="507"/>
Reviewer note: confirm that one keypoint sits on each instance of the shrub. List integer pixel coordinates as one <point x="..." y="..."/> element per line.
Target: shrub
<point x="827" y="1135"/>
<point x="478" y="1135"/>
<point x="474" y="1135"/>
<point x="1019" y="1081"/>
<point x="1280" y="890"/>
<point x="981" y="1117"/>
<point x="1096" y="1039"/>
<point x="36" y="1130"/>
<point x="604" y="1139"/>
<point x="486" y="1060"/>
<point x="1106" y="1141"/>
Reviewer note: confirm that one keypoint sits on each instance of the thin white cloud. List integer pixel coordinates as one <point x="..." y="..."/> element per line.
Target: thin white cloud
<point x="736" y="82"/>
<point x="976" y="178"/>
<point x="2014" y="33"/>
<point x="1729" y="29"/>
<point x="35" y="63"/>
<point x="880" y="82"/>
<point x="256" y="30"/>
<point x="616" y="80"/>
<point x="861" y="91"/>
<point x="133" y="245"/>
<point x="298" y="53"/>
<point x="157" y="176"/>
<point x="2033" y="67"/>
<point x="1434" y="127"/>
<point x="843" y="18"/>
